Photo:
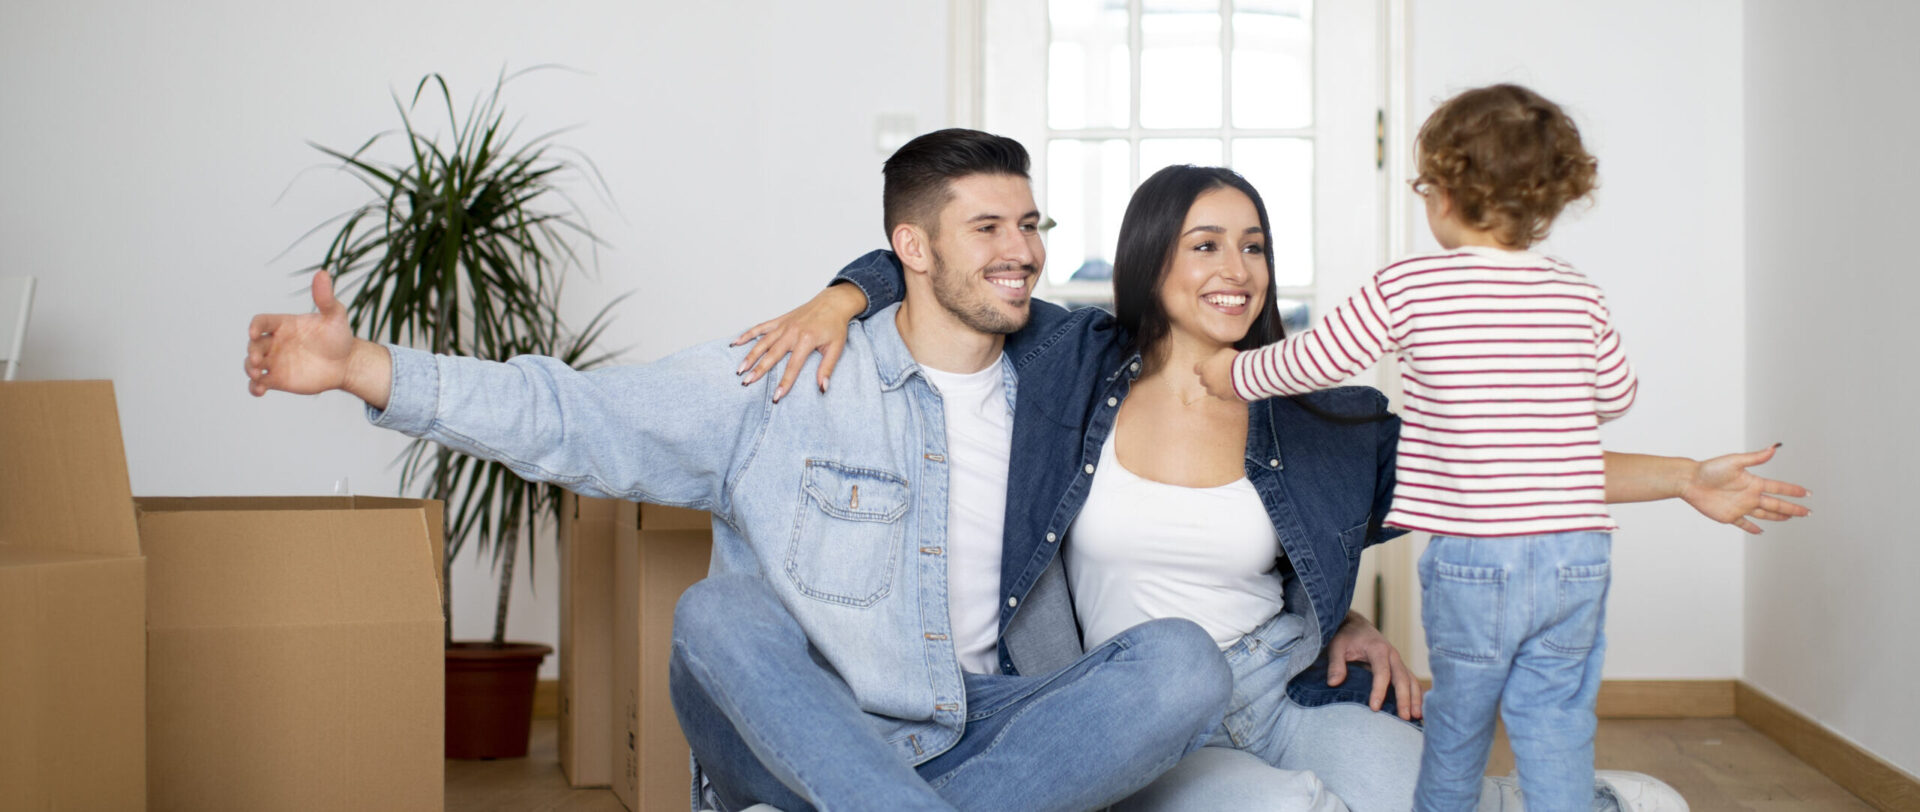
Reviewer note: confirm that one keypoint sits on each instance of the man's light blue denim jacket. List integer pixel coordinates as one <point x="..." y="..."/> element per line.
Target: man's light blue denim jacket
<point x="838" y="500"/>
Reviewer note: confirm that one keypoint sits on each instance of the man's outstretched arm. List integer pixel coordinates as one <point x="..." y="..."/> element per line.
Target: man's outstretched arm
<point x="316" y="352"/>
<point x="665" y="432"/>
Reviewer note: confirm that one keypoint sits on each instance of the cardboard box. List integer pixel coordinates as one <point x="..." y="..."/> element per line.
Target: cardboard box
<point x="295" y="655"/>
<point x="669" y="551"/>
<point x="588" y="528"/>
<point x="72" y="603"/>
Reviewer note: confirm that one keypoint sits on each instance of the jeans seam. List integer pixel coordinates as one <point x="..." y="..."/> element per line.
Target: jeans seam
<point x="715" y="691"/>
<point x="950" y="775"/>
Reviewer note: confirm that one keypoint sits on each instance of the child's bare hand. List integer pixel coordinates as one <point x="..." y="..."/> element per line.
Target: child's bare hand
<point x="1724" y="490"/>
<point x="1216" y="373"/>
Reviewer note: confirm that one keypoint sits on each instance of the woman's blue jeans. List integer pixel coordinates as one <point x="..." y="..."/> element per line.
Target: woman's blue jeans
<point x="1514" y="627"/>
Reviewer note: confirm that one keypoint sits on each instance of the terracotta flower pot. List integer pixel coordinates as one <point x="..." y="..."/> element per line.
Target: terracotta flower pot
<point x="490" y="698"/>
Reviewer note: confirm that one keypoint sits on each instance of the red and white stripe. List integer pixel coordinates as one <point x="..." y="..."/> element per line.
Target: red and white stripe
<point x="1509" y="362"/>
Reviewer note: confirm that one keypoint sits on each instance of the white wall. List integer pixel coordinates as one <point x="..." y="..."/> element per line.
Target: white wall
<point x="1831" y="180"/>
<point x="1655" y="89"/>
<point x="145" y="148"/>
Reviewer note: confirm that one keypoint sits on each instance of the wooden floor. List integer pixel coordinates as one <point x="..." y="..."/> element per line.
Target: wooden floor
<point x="1717" y="764"/>
<point x="531" y="784"/>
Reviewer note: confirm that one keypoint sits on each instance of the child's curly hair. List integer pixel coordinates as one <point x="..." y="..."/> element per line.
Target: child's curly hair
<point x="1510" y="160"/>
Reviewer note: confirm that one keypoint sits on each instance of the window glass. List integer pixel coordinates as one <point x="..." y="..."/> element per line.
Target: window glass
<point x="1087" y="190"/>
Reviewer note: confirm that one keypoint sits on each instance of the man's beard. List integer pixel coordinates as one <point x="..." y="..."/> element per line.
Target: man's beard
<point x="969" y="304"/>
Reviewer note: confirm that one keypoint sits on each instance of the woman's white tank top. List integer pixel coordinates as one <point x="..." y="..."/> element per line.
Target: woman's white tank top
<point x="1141" y="550"/>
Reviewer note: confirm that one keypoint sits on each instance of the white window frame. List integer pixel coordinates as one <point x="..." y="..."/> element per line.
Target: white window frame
<point x="1345" y="250"/>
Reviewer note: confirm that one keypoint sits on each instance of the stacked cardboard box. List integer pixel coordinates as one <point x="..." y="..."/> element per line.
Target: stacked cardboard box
<point x="295" y="656"/>
<point x="624" y="567"/>
<point x="72" y="646"/>
<point x="651" y="567"/>
<point x="263" y="653"/>
<point x="588" y="528"/>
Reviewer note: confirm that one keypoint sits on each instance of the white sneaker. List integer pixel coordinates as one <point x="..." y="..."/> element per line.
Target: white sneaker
<point x="1639" y="792"/>
<point x="1634" y="792"/>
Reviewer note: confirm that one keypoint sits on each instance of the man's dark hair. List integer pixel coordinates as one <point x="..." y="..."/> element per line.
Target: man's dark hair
<point x="919" y="174"/>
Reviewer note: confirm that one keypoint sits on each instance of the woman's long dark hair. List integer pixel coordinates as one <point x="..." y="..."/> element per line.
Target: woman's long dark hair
<point x="1149" y="235"/>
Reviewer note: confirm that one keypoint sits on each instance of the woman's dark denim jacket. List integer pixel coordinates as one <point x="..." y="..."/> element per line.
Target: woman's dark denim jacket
<point x="1326" y="485"/>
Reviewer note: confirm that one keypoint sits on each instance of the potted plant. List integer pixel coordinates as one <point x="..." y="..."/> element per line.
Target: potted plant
<point x="462" y="251"/>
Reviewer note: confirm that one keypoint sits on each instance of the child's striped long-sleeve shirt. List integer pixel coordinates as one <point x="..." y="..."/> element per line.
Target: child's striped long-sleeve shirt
<point x="1509" y="363"/>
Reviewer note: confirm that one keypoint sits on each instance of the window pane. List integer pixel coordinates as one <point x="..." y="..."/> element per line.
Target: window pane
<point x="1281" y="169"/>
<point x="1162" y="152"/>
<point x="1273" y="63"/>
<point x="1180" y="63"/>
<point x="1296" y="315"/>
<point x="1087" y="190"/>
<point x="1087" y="69"/>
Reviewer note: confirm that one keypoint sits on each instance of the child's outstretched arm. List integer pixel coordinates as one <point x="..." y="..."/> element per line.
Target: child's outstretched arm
<point x="1722" y="488"/>
<point x="1350" y="339"/>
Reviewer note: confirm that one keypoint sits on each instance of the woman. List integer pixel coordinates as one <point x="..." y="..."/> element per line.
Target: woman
<point x="1247" y="519"/>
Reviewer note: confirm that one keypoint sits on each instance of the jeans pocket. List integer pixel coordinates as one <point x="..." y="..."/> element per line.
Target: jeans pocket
<point x="1464" y="609"/>
<point x="1580" y="605"/>
<point x="846" y="539"/>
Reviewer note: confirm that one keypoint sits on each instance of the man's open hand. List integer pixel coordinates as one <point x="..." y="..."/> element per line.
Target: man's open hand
<point x="315" y="352"/>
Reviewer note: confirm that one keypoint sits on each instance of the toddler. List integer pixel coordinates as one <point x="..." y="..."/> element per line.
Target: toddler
<point x="1510" y="363"/>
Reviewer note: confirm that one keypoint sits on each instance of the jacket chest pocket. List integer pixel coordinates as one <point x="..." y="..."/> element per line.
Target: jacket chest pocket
<point x="846" y="538"/>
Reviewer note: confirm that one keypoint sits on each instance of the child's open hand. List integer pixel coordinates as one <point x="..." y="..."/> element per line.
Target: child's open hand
<point x="1216" y="373"/>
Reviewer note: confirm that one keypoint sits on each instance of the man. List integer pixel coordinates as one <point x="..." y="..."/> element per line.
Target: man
<point x="846" y="652"/>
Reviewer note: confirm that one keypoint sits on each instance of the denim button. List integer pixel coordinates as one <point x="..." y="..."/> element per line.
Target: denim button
<point x="1113" y="401"/>
<point x="1088" y="468"/>
<point x="1012" y="601"/>
<point x="1135" y="366"/>
<point x="1052" y="538"/>
<point x="1273" y="463"/>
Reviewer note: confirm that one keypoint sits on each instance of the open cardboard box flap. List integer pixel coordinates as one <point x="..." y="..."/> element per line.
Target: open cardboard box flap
<point x="276" y="564"/>
<point x="64" y="480"/>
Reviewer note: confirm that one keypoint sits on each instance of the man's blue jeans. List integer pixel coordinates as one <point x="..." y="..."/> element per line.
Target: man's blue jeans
<point x="1513" y="625"/>
<point x="770" y="724"/>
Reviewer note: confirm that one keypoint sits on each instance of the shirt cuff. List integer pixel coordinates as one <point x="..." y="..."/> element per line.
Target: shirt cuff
<point x="1241" y="385"/>
<point x="414" y="398"/>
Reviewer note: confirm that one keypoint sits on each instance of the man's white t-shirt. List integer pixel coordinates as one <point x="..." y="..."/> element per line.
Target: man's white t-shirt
<point x="979" y="446"/>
